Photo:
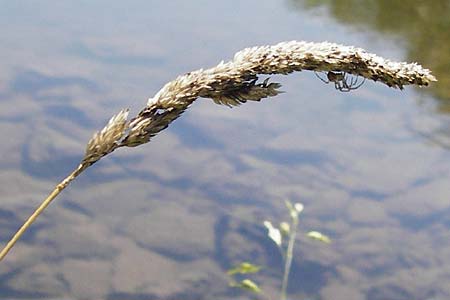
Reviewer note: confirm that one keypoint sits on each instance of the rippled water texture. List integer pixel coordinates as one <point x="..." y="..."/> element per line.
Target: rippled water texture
<point x="167" y="219"/>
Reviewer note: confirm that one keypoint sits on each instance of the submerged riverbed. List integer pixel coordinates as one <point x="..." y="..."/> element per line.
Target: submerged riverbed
<point x="167" y="219"/>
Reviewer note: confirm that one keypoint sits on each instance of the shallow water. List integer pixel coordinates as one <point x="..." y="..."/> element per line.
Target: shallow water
<point x="167" y="219"/>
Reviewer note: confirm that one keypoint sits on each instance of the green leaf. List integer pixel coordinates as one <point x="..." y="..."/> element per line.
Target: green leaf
<point x="244" y="268"/>
<point x="319" y="236"/>
<point x="285" y="228"/>
<point x="293" y="212"/>
<point x="289" y="205"/>
<point x="273" y="233"/>
<point x="299" y="207"/>
<point x="248" y="285"/>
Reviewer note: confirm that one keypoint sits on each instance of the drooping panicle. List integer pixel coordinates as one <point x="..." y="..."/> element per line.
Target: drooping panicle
<point x="287" y="57"/>
<point x="233" y="83"/>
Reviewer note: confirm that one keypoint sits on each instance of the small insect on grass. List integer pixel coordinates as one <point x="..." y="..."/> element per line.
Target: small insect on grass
<point x="342" y="81"/>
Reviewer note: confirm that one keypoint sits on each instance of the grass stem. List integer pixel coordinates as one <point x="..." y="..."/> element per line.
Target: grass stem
<point x="61" y="186"/>
<point x="288" y="256"/>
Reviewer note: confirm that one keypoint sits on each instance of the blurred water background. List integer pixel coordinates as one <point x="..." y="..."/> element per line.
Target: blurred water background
<point x="167" y="219"/>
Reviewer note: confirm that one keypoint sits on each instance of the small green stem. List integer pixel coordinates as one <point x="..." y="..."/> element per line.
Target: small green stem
<point x="288" y="260"/>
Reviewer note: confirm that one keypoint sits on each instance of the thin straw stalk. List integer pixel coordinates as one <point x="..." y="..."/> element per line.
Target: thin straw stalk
<point x="58" y="189"/>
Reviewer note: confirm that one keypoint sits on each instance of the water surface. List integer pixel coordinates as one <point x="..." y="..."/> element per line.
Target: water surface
<point x="167" y="219"/>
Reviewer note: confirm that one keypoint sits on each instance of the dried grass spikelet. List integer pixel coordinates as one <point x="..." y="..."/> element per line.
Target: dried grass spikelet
<point x="233" y="83"/>
<point x="106" y="140"/>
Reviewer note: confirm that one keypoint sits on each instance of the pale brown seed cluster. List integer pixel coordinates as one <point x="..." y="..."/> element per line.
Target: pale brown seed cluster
<point x="235" y="82"/>
<point x="288" y="57"/>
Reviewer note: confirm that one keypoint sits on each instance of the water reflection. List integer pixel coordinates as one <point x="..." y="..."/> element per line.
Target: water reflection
<point x="32" y="82"/>
<point x="165" y="220"/>
<point x="423" y="27"/>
